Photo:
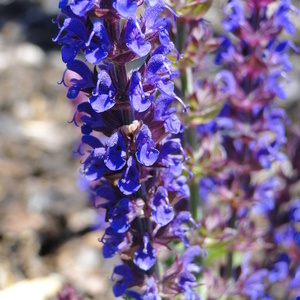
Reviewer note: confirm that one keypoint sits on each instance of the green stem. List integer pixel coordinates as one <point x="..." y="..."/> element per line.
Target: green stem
<point x="190" y="136"/>
<point x="180" y="37"/>
<point x="229" y="266"/>
<point x="195" y="201"/>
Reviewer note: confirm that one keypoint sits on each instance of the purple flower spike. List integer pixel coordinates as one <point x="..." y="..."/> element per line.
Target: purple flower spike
<point x="102" y="97"/>
<point x="129" y="182"/>
<point x="136" y="94"/>
<point x="134" y="38"/>
<point x="147" y="154"/>
<point x="127" y="122"/>
<point x="162" y="213"/>
<point x="126" y="8"/>
<point x="145" y="256"/>
<point x="116" y="152"/>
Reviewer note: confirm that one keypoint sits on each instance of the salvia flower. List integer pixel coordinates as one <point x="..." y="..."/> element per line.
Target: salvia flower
<point x="249" y="133"/>
<point x="131" y="147"/>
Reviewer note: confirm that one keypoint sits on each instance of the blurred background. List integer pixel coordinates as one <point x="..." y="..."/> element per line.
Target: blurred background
<point x="45" y="219"/>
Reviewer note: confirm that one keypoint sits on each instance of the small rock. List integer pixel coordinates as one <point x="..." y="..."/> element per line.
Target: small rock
<point x="30" y="55"/>
<point x="36" y="289"/>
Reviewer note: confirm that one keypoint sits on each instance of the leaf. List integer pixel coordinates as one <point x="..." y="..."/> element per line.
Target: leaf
<point x="194" y="9"/>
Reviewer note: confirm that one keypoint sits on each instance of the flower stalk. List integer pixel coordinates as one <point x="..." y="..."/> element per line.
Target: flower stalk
<point x="134" y="158"/>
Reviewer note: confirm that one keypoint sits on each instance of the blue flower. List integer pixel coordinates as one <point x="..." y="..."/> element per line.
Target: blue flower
<point x="276" y="53"/>
<point x="139" y="158"/>
<point x="162" y="212"/>
<point x="274" y="86"/>
<point x="146" y="153"/>
<point x="255" y="285"/>
<point x="134" y="38"/>
<point x="85" y="82"/>
<point x="280" y="270"/>
<point x="151" y="292"/>
<point x="129" y="181"/>
<point x="184" y="271"/>
<point x="295" y="282"/>
<point x="126" y="279"/>
<point x="137" y="97"/>
<point x="98" y="44"/>
<point x="94" y="44"/>
<point x="171" y="121"/>
<point x="159" y="72"/>
<point x="152" y="12"/>
<point x="126" y="8"/>
<point x="94" y="166"/>
<point x="81" y="7"/>
<point x="74" y="40"/>
<point x="294" y="212"/>
<point x="113" y="242"/>
<point x="225" y="50"/>
<point x="115" y="153"/>
<point x="177" y="228"/>
<point x="234" y="12"/>
<point x="102" y="98"/>
<point x="208" y="185"/>
<point x="145" y="258"/>
<point x="171" y="153"/>
<point x="186" y="282"/>
<point x="281" y="18"/>
<point x="93" y="121"/>
<point x="265" y="195"/>
<point x="267" y="151"/>
<point x="118" y="216"/>
<point x="62" y="3"/>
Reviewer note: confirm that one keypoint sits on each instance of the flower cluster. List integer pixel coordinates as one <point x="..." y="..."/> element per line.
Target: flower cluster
<point x="134" y="158"/>
<point x="123" y="63"/>
<point x="250" y="128"/>
<point x="249" y="135"/>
